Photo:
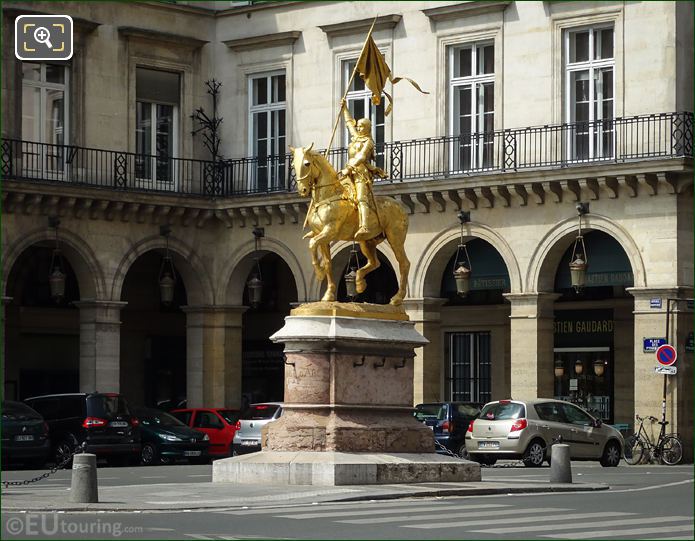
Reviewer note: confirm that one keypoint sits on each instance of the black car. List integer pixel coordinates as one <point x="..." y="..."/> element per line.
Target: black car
<point x="165" y="438"/>
<point x="24" y="435"/>
<point x="449" y="421"/>
<point x="101" y="421"/>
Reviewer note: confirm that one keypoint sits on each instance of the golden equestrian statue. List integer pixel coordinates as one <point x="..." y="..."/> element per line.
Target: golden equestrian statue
<point x="343" y="206"/>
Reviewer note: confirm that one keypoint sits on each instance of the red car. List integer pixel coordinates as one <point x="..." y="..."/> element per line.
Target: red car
<point x="218" y="423"/>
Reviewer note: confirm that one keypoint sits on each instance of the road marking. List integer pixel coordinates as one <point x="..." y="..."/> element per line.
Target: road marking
<point x="153" y="477"/>
<point x="200" y="475"/>
<point x="652" y="487"/>
<point x="516" y="520"/>
<point x="555" y="527"/>
<point x="450" y="515"/>
<point x="303" y="516"/>
<point x="593" y="534"/>
<point x="355" y="506"/>
<point x="152" y="529"/>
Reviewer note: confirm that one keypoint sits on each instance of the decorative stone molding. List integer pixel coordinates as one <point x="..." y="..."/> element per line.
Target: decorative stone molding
<point x="263" y="42"/>
<point x="464" y="9"/>
<point x="360" y="27"/>
<point x="178" y="40"/>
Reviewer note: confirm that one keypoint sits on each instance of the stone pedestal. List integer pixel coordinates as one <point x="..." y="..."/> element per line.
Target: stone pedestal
<point x="347" y="417"/>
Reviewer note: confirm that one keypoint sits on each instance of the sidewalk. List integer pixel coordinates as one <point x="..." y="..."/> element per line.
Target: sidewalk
<point x="197" y="496"/>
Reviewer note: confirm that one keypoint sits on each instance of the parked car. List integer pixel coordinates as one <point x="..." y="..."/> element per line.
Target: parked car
<point x="248" y="435"/>
<point x="24" y="435"/>
<point x="220" y="425"/>
<point x="102" y="421"/>
<point x="171" y="404"/>
<point x="449" y="422"/>
<point x="526" y="430"/>
<point x="165" y="438"/>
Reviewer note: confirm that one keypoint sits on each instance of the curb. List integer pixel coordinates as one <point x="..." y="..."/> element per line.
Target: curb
<point x="103" y="507"/>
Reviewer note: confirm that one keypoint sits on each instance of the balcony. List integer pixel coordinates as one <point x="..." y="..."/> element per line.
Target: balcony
<point x="619" y="140"/>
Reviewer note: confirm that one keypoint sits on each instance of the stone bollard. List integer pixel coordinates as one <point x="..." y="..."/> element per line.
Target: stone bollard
<point x="83" y="488"/>
<point x="560" y="468"/>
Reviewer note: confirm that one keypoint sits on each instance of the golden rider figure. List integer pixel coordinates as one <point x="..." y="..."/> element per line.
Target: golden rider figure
<point x="359" y="168"/>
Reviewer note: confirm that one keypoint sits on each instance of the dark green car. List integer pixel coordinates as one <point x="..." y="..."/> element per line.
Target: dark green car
<point x="166" y="439"/>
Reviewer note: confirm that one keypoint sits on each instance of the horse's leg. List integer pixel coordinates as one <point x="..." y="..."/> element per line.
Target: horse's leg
<point x="327" y="234"/>
<point x="397" y="241"/>
<point x="318" y="267"/>
<point x="368" y="248"/>
<point x="329" y="295"/>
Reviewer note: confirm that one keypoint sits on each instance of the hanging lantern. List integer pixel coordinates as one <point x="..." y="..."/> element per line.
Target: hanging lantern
<point x="599" y="367"/>
<point x="462" y="263"/>
<point x="255" y="285"/>
<point x="579" y="262"/>
<point x="167" y="273"/>
<point x="56" y="271"/>
<point x="351" y="275"/>
<point x="559" y="369"/>
<point x="56" y="280"/>
<point x="578" y="367"/>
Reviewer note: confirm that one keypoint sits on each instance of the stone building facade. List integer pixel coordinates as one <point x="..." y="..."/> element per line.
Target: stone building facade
<point x="533" y="107"/>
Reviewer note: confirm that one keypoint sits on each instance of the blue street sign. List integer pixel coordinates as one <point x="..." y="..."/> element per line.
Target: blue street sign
<point x="650" y="345"/>
<point x="655" y="302"/>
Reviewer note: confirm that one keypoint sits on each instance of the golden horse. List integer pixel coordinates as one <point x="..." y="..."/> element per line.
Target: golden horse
<point x="332" y="216"/>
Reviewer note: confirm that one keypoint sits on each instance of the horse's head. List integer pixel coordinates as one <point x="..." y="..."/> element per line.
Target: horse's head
<point x="304" y="168"/>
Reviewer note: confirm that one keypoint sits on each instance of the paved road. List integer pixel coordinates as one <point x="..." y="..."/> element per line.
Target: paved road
<point x="654" y="502"/>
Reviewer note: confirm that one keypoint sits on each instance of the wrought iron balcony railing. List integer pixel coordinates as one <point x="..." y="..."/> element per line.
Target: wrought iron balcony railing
<point x="663" y="135"/>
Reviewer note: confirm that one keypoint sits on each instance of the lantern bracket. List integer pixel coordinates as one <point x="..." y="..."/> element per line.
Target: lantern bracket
<point x="361" y="363"/>
<point x="381" y="364"/>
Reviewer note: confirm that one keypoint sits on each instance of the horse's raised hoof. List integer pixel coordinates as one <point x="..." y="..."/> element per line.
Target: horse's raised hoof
<point x="360" y="285"/>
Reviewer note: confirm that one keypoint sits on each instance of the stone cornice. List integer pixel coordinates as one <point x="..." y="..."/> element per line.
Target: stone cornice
<point x="531" y="188"/>
<point x="154" y="35"/>
<point x="81" y="25"/>
<point x="361" y="27"/>
<point x="241" y="10"/>
<point x="464" y="9"/>
<point x="262" y="42"/>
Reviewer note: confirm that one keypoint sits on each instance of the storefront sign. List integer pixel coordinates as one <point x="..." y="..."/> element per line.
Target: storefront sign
<point x="583" y="328"/>
<point x="650" y="345"/>
<point x="655" y="302"/>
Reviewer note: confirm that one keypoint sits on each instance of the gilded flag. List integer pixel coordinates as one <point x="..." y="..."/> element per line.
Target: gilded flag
<point x="373" y="69"/>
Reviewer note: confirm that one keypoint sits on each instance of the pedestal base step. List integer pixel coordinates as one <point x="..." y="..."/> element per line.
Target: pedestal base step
<point x="333" y="468"/>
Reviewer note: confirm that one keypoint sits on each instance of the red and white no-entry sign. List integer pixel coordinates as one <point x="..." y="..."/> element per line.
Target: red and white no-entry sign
<point x="666" y="355"/>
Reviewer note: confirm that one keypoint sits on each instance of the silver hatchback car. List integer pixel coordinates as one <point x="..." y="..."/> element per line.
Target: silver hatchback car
<point x="247" y="438"/>
<point x="526" y="430"/>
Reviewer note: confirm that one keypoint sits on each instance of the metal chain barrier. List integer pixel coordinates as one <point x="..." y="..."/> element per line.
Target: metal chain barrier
<point x="54" y="469"/>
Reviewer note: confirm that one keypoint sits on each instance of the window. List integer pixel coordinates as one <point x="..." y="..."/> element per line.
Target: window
<point x="156" y="121"/>
<point x="576" y="416"/>
<point x="472" y="105"/>
<point x="468" y="367"/>
<point x="44" y="118"/>
<point x="206" y="419"/>
<point x="360" y="105"/>
<point x="268" y="131"/>
<point x="589" y="68"/>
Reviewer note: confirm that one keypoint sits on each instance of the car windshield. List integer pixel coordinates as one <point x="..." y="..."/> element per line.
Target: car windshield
<point x="157" y="418"/>
<point x="231" y="416"/>
<point x="260" y="411"/>
<point x="17" y="411"/>
<point x="501" y="411"/>
<point x="467" y="411"/>
<point x="106" y="405"/>
<point x="426" y="412"/>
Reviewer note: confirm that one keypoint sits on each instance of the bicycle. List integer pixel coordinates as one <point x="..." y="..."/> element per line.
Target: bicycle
<point x="668" y="449"/>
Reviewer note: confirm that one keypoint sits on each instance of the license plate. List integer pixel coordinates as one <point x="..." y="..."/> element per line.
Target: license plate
<point x="488" y="445"/>
<point x="24" y="437"/>
<point x="118" y="424"/>
<point x="249" y="443"/>
<point x="191" y="453"/>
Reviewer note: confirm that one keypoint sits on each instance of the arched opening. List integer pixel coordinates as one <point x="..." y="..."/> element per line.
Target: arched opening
<point x="382" y="283"/>
<point x="477" y="333"/>
<point x="42" y="335"/>
<point x="593" y="332"/>
<point x="263" y="368"/>
<point x="153" y="336"/>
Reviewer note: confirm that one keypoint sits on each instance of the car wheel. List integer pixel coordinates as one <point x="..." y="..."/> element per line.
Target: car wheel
<point x="149" y="454"/>
<point x="534" y="454"/>
<point x="611" y="455"/>
<point x="62" y="451"/>
<point x="463" y="452"/>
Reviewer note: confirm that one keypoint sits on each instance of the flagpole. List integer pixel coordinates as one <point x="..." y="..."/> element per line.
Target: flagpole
<point x="347" y="88"/>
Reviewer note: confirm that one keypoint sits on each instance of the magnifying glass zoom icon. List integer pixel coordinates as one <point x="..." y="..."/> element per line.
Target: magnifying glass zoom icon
<point x="43" y="36"/>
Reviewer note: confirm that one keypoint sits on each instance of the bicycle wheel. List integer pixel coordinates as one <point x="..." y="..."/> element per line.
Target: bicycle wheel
<point x="635" y="450"/>
<point x="671" y="450"/>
